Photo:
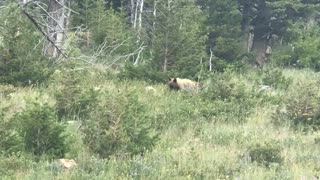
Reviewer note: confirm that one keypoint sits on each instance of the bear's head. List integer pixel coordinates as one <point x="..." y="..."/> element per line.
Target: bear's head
<point x="173" y="84"/>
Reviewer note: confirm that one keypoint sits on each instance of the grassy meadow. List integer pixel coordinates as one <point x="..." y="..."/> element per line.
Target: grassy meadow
<point x="228" y="130"/>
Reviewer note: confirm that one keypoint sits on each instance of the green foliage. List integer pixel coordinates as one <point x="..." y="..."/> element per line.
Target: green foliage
<point x="221" y="86"/>
<point x="275" y="78"/>
<point x="109" y="26"/>
<point x="303" y="50"/>
<point x="109" y="36"/>
<point x="231" y="98"/>
<point x="20" y="62"/>
<point x="180" y="134"/>
<point x="307" y="49"/>
<point x="6" y="90"/>
<point x="223" y="25"/>
<point x="73" y="99"/>
<point x="227" y="49"/>
<point x="142" y="72"/>
<point x="182" y="110"/>
<point x="265" y="154"/>
<point x="119" y="125"/>
<point x="301" y="107"/>
<point x="42" y="134"/>
<point x="284" y="57"/>
<point x="162" y="134"/>
<point x="13" y="164"/>
<point x="82" y="7"/>
<point x="10" y="140"/>
<point x="91" y="164"/>
<point x="178" y="39"/>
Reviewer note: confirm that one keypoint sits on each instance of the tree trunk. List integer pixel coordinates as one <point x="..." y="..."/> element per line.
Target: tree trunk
<point x="210" y="60"/>
<point x="141" y="2"/>
<point x="154" y="14"/>
<point x="135" y="15"/>
<point x="166" y="50"/>
<point x="132" y="12"/>
<point x="165" y="63"/>
<point x="153" y="23"/>
<point x="250" y="39"/>
<point x="140" y="14"/>
<point x="260" y="46"/>
<point x="56" y="28"/>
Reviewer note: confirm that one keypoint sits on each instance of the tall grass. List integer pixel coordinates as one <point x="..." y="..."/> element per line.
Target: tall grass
<point x="199" y="137"/>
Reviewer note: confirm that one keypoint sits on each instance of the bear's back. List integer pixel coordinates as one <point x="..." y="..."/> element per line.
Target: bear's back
<point x="187" y="84"/>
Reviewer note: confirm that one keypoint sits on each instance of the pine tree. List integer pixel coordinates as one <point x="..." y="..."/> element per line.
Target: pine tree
<point x="178" y="39"/>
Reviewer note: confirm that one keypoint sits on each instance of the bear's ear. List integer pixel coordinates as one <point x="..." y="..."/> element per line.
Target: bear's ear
<point x="175" y="80"/>
<point x="170" y="79"/>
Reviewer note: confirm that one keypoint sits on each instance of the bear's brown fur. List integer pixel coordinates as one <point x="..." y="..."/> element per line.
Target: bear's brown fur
<point x="182" y="84"/>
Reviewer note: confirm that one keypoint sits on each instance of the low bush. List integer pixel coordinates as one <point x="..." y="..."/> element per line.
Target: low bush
<point x="10" y="140"/>
<point x="275" y="78"/>
<point x="21" y="63"/>
<point x="119" y="125"/>
<point x="5" y="90"/>
<point x="74" y="99"/>
<point x="232" y="99"/>
<point x="284" y="57"/>
<point x="265" y="154"/>
<point x="301" y="106"/>
<point x="307" y="49"/>
<point x="13" y="164"/>
<point x="222" y="86"/>
<point x="41" y="133"/>
<point x="142" y="72"/>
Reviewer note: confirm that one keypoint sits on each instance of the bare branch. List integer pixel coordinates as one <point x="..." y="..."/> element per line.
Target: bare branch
<point x="210" y="60"/>
<point x="141" y="48"/>
<point x="67" y="7"/>
<point x="48" y="14"/>
<point x="43" y="33"/>
<point x="119" y="45"/>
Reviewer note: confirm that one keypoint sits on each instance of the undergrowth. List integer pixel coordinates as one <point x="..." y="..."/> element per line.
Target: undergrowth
<point x="115" y="129"/>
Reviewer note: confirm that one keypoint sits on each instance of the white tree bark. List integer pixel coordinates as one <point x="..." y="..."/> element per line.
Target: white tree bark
<point x="132" y="12"/>
<point x="165" y="63"/>
<point x="250" y="39"/>
<point x="154" y="14"/>
<point x="166" y="50"/>
<point x="56" y="28"/>
<point x="135" y="15"/>
<point x="210" y="60"/>
<point x="140" y="14"/>
<point x="24" y="1"/>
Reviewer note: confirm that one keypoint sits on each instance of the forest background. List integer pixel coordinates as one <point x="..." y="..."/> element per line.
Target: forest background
<point x="73" y="77"/>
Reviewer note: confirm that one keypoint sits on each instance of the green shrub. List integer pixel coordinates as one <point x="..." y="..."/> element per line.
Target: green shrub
<point x="265" y="154"/>
<point x="42" y="134"/>
<point x="74" y="99"/>
<point x="5" y="90"/>
<point x="275" y="78"/>
<point x="301" y="106"/>
<point x="10" y="165"/>
<point x="227" y="49"/>
<point x="20" y="62"/>
<point x="284" y="57"/>
<point x="142" y="72"/>
<point x="10" y="140"/>
<point x="233" y="100"/>
<point x="304" y="50"/>
<point x="24" y="71"/>
<point x="221" y="86"/>
<point x="119" y="125"/>
<point x="91" y="164"/>
<point x="307" y="49"/>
